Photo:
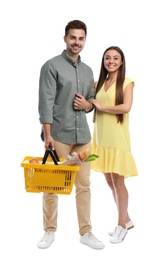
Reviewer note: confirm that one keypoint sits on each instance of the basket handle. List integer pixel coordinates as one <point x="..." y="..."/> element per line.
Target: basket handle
<point x="56" y="155"/>
<point x="53" y="155"/>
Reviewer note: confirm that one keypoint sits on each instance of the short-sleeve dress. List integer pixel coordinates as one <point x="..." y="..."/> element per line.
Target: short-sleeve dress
<point x="111" y="140"/>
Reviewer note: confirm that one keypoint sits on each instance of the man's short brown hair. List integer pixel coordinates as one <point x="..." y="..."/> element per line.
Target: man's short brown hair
<point x="75" y="24"/>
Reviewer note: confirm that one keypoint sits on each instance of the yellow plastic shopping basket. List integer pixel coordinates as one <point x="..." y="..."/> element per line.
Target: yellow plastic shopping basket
<point x="48" y="177"/>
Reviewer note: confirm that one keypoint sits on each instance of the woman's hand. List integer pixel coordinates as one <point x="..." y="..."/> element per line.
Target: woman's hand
<point x="97" y="104"/>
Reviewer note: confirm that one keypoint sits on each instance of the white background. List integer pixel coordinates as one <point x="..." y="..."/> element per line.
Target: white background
<point x="32" y="32"/>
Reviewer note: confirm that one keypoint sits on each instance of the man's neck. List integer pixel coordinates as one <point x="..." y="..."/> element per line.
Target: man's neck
<point x="74" y="57"/>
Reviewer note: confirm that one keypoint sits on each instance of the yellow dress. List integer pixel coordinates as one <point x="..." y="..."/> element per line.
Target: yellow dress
<point x="111" y="140"/>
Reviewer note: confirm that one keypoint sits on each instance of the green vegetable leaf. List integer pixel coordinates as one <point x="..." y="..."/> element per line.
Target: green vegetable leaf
<point x="91" y="157"/>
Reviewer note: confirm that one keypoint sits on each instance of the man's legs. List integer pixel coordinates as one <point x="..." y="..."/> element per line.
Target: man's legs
<point x="83" y="202"/>
<point x="83" y="195"/>
<point x="50" y="205"/>
<point x="50" y="211"/>
<point x="50" y="202"/>
<point x="82" y="184"/>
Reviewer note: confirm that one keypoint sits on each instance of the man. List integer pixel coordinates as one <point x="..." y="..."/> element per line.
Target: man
<point x="65" y="88"/>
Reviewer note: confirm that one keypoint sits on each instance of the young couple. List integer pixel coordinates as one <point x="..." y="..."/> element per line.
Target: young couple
<point x="67" y="91"/>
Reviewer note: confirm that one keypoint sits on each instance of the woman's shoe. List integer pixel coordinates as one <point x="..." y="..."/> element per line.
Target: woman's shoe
<point x="129" y="225"/>
<point x="119" y="234"/>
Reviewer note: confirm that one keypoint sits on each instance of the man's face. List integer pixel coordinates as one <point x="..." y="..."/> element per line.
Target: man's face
<point x="75" y="41"/>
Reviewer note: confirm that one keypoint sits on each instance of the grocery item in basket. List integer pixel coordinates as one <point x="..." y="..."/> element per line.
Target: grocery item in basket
<point x="84" y="154"/>
<point x="79" y="158"/>
<point x="76" y="158"/>
<point x="91" y="157"/>
<point x="33" y="160"/>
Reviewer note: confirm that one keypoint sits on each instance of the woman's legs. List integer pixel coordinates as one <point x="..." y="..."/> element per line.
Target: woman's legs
<point x="120" y="195"/>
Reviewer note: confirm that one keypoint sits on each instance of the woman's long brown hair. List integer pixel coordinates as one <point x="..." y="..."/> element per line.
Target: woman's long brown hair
<point x="119" y="82"/>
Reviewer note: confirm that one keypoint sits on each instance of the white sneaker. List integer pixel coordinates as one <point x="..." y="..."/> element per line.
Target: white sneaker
<point x="129" y="225"/>
<point x="46" y="240"/>
<point x="119" y="234"/>
<point x="90" y="240"/>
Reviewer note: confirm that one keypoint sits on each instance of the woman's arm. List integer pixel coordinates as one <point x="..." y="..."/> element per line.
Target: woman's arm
<point x="119" y="109"/>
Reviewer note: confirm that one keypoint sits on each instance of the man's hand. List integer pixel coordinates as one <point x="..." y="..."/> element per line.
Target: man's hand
<point x="80" y="103"/>
<point x="49" y="142"/>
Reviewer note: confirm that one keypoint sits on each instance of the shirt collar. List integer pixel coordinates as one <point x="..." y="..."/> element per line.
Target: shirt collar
<point x="66" y="57"/>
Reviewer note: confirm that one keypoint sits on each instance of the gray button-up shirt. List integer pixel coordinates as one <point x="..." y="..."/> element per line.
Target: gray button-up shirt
<point x="60" y="79"/>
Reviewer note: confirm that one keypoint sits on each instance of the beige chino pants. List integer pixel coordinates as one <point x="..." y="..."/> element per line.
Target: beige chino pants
<point x="82" y="193"/>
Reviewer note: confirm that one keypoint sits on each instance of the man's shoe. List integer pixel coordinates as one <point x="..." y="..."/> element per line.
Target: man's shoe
<point x="129" y="225"/>
<point x="119" y="234"/>
<point x="90" y="240"/>
<point x="46" y="240"/>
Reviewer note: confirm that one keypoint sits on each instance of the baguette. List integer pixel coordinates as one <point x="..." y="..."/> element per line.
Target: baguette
<point x="84" y="154"/>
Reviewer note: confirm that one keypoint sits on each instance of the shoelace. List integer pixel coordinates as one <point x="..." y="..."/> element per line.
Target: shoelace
<point x="93" y="237"/>
<point x="118" y="231"/>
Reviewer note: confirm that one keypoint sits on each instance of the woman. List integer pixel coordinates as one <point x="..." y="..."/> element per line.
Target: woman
<point x="111" y="139"/>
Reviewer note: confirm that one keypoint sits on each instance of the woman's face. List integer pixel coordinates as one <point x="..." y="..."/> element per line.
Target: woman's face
<point x="112" y="61"/>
